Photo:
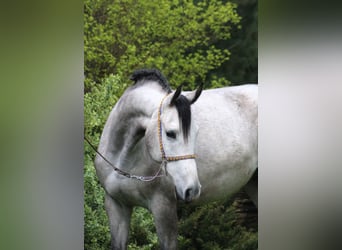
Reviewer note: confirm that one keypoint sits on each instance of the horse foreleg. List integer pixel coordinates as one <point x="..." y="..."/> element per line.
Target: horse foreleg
<point x="119" y="219"/>
<point x="165" y="216"/>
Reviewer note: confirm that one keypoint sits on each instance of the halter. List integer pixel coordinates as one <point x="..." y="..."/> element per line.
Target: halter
<point x="165" y="159"/>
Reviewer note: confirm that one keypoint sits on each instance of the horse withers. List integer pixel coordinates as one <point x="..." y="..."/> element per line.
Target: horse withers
<point x="159" y="146"/>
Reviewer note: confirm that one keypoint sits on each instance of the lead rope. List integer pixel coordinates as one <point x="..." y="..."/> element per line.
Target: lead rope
<point x="124" y="173"/>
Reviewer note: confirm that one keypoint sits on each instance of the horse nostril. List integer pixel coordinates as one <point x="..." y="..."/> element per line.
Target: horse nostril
<point x="192" y="193"/>
<point x="188" y="194"/>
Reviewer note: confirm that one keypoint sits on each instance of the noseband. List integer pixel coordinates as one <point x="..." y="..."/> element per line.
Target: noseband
<point x="165" y="158"/>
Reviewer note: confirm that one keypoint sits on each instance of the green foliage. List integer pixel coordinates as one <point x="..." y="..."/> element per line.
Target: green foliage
<point x="242" y="66"/>
<point x="143" y="232"/>
<point x="96" y="227"/>
<point x="98" y="102"/>
<point x="97" y="105"/>
<point x="178" y="37"/>
<point x="214" y="226"/>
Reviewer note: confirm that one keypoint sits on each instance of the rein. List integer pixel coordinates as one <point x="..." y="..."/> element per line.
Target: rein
<point x="165" y="159"/>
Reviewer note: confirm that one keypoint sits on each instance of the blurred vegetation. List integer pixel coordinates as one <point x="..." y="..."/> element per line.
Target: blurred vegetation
<point x="242" y="66"/>
<point x="213" y="42"/>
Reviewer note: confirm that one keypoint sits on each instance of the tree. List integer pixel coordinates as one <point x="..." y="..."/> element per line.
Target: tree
<point x="178" y="37"/>
<point x="242" y="67"/>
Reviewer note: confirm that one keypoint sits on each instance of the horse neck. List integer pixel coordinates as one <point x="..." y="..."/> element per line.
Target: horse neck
<point x="122" y="139"/>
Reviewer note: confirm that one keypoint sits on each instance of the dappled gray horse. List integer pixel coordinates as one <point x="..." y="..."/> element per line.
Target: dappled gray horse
<point x="159" y="146"/>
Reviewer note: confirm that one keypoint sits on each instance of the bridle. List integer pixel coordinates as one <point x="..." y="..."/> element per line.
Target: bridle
<point x="165" y="159"/>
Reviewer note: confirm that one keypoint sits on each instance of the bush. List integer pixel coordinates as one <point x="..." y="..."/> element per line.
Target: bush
<point x="97" y="105"/>
<point x="214" y="226"/>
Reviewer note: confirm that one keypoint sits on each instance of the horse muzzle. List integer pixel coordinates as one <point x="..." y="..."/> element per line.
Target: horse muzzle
<point x="190" y="193"/>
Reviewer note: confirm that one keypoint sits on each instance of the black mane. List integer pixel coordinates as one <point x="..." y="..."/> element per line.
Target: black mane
<point x="184" y="113"/>
<point x="181" y="103"/>
<point x="153" y="75"/>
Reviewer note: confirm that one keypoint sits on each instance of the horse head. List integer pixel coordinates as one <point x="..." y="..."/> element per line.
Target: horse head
<point x="171" y="138"/>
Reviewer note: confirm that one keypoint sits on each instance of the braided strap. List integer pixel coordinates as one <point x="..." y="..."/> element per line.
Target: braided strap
<point x="161" y="147"/>
<point x="164" y="157"/>
<point x="181" y="157"/>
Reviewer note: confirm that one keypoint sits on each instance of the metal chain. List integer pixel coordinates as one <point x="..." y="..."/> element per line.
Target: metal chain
<point x="124" y="173"/>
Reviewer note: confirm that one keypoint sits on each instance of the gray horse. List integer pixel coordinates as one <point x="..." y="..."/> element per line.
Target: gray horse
<point x="159" y="146"/>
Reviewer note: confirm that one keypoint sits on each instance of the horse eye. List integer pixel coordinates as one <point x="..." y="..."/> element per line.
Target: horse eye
<point x="171" y="134"/>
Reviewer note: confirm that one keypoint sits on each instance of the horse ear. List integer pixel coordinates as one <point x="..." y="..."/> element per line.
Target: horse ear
<point x="176" y="95"/>
<point x="193" y="96"/>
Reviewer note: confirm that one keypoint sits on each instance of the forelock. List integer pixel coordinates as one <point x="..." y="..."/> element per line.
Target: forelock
<point x="184" y="113"/>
